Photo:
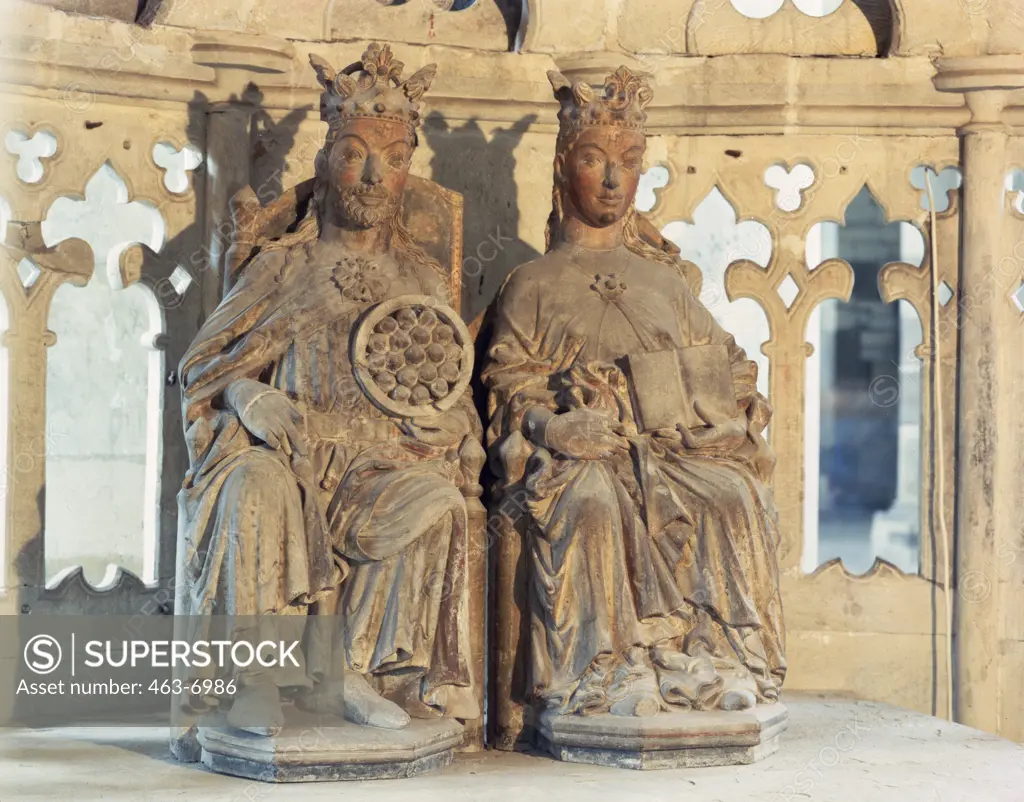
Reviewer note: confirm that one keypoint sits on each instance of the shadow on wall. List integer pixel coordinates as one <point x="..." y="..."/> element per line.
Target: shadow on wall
<point x="270" y="143"/>
<point x="483" y="171"/>
<point x="200" y="249"/>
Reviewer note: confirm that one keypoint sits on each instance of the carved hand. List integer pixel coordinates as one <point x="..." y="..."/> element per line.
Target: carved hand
<point x="584" y="434"/>
<point x="722" y="434"/>
<point x="445" y="430"/>
<point x="268" y="414"/>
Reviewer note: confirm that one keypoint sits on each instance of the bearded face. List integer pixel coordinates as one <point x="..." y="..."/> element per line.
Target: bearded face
<point x="365" y="173"/>
<point x="367" y="205"/>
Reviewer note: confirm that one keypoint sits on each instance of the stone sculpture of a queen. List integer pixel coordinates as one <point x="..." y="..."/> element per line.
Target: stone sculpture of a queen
<point x="627" y="431"/>
<point x="330" y="433"/>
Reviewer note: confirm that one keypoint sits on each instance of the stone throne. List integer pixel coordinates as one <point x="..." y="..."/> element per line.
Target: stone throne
<point x="432" y="213"/>
<point x="433" y="216"/>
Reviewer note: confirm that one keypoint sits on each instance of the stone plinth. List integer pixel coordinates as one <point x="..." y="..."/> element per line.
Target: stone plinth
<point x="335" y="751"/>
<point x="835" y="750"/>
<point x="688" y="739"/>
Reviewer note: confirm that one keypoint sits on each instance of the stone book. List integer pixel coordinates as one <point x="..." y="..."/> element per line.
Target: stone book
<point x="665" y="385"/>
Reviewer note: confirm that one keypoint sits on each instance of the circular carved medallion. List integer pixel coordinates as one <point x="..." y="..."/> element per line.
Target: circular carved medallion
<point x="413" y="356"/>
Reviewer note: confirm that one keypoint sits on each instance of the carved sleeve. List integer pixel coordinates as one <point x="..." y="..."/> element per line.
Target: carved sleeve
<point x="517" y="371"/>
<point x="232" y="344"/>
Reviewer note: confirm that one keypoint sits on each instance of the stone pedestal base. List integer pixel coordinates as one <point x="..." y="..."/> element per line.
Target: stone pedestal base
<point x="337" y="750"/>
<point x="687" y="739"/>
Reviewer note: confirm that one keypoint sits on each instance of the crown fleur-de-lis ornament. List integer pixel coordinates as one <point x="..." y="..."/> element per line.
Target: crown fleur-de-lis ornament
<point x="619" y="102"/>
<point x="371" y="88"/>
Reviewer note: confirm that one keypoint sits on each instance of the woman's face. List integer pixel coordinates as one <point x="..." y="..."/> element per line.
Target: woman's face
<point x="602" y="170"/>
<point x="366" y="172"/>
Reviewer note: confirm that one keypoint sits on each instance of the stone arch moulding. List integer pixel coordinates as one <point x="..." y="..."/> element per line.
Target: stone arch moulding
<point x="855" y="28"/>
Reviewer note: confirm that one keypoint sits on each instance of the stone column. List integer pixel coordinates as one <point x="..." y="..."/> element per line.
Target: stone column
<point x="242" y="67"/>
<point x="990" y="424"/>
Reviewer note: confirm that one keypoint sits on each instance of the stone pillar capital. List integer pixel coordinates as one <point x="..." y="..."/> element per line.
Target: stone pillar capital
<point x="985" y="82"/>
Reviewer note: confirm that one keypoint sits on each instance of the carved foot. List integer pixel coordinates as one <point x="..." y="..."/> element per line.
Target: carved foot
<point x="623" y="685"/>
<point x="684" y="680"/>
<point x="257" y="710"/>
<point x="355" y="700"/>
<point x="737" y="699"/>
<point x="632" y="688"/>
<point x="363" y="705"/>
<point x="739" y="691"/>
<point x="641" y="698"/>
<point x="408" y="698"/>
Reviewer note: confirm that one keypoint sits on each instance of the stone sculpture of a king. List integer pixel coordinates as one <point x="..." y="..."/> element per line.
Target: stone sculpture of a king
<point x="331" y="439"/>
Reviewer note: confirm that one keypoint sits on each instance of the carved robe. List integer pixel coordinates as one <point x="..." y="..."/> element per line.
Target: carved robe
<point x="367" y="506"/>
<point x="625" y="552"/>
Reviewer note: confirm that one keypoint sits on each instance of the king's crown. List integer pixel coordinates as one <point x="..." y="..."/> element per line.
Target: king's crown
<point x="371" y="88"/>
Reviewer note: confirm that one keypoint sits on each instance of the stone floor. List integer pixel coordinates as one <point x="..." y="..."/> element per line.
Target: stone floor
<point x="834" y="750"/>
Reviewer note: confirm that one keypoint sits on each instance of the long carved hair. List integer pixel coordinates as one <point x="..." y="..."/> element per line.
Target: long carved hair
<point x="638" y="235"/>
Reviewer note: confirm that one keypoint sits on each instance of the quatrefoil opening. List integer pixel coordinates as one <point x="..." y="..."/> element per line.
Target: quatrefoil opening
<point x="757" y="9"/>
<point x="818" y="8"/>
